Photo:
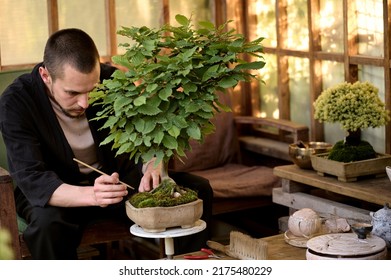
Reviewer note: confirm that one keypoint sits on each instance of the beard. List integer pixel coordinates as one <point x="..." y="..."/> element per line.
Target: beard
<point x="71" y="113"/>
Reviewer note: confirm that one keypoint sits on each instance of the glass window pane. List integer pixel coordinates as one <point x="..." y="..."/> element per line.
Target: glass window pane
<point x="266" y="21"/>
<point x="297" y="37"/>
<point x="197" y="9"/>
<point x="21" y="41"/>
<point x="374" y="75"/>
<point x="331" y="25"/>
<point x="370" y="27"/>
<point x="268" y="90"/>
<point x="88" y="15"/>
<point x="143" y="13"/>
<point x="298" y="85"/>
<point x="332" y="74"/>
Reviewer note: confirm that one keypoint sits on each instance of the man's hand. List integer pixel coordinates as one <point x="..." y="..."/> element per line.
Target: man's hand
<point x="108" y="190"/>
<point x="151" y="178"/>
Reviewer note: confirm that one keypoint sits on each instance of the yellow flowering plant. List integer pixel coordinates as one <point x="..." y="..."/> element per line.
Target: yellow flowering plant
<point x="355" y="107"/>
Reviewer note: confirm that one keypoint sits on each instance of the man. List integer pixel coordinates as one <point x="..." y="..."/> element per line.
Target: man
<point x="45" y="123"/>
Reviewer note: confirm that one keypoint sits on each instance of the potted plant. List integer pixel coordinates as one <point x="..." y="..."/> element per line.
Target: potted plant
<point x="168" y="93"/>
<point x="355" y="106"/>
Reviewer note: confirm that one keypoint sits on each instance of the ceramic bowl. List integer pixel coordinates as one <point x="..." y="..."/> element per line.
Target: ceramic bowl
<point x="158" y="219"/>
<point x="361" y="229"/>
<point x="304" y="223"/>
<point x="301" y="156"/>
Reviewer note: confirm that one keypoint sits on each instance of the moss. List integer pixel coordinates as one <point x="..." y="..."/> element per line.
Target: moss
<point x="345" y="152"/>
<point x="167" y="194"/>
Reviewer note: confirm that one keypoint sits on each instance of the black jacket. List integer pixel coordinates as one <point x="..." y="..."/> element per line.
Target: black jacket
<point x="39" y="156"/>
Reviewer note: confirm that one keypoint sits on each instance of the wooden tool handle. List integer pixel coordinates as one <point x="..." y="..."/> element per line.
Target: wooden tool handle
<point x="216" y="246"/>
<point x="222" y="248"/>
<point x="100" y="172"/>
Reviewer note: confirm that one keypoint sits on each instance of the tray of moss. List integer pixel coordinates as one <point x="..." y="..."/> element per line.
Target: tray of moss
<point x="165" y="207"/>
<point x="351" y="171"/>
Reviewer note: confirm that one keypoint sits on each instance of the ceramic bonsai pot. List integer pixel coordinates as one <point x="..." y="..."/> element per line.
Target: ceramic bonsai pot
<point x="158" y="219"/>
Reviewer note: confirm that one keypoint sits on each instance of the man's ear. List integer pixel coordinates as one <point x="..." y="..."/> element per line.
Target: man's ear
<point x="43" y="72"/>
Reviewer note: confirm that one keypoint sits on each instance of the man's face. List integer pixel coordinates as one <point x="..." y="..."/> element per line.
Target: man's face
<point x="71" y="91"/>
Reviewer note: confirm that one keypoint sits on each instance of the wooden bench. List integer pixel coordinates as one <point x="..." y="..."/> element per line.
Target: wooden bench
<point x="273" y="136"/>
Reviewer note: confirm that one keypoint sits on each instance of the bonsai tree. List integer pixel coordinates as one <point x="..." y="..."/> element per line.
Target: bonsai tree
<point x="355" y="106"/>
<point x="168" y="94"/>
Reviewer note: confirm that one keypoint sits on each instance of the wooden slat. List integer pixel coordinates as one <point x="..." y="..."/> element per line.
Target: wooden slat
<point x="265" y="146"/>
<point x="324" y="207"/>
<point x="111" y="28"/>
<point x="377" y="190"/>
<point x="52" y="7"/>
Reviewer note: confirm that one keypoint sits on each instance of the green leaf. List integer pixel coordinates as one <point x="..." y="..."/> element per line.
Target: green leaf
<point x="159" y="156"/>
<point x="180" y="121"/>
<point x="108" y="139"/>
<point x="210" y="73"/>
<point x="194" y="132"/>
<point x="169" y="142"/>
<point x="207" y="24"/>
<point x="121" y="60"/>
<point x="182" y="20"/>
<point x="147" y="141"/>
<point x="139" y="124"/>
<point x="250" y="65"/>
<point x="120" y="102"/>
<point x="141" y="100"/>
<point x="227" y="82"/>
<point x="174" y="131"/>
<point x="193" y="107"/>
<point x="151" y="107"/>
<point x="151" y="87"/>
<point x="138" y="59"/>
<point x="158" y="137"/>
<point x="118" y="74"/>
<point x="164" y="93"/>
<point x="124" y="148"/>
<point x="189" y="87"/>
<point x="112" y="120"/>
<point x="113" y="84"/>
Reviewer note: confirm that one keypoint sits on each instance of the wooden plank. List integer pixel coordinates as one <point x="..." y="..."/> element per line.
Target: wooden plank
<point x="278" y="249"/>
<point x="292" y="186"/>
<point x="265" y="146"/>
<point x="377" y="190"/>
<point x="324" y="207"/>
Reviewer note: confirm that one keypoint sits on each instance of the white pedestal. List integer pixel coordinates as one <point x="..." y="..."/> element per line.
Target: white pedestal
<point x="168" y="235"/>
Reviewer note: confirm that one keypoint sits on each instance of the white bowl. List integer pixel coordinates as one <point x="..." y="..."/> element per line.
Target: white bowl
<point x="304" y="223"/>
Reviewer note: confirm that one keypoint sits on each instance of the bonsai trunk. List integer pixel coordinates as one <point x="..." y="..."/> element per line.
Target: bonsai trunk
<point x="164" y="174"/>
<point x="164" y="171"/>
<point x="353" y="138"/>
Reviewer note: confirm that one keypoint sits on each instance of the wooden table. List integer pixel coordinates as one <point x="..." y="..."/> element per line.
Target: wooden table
<point x="278" y="249"/>
<point x="297" y="182"/>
